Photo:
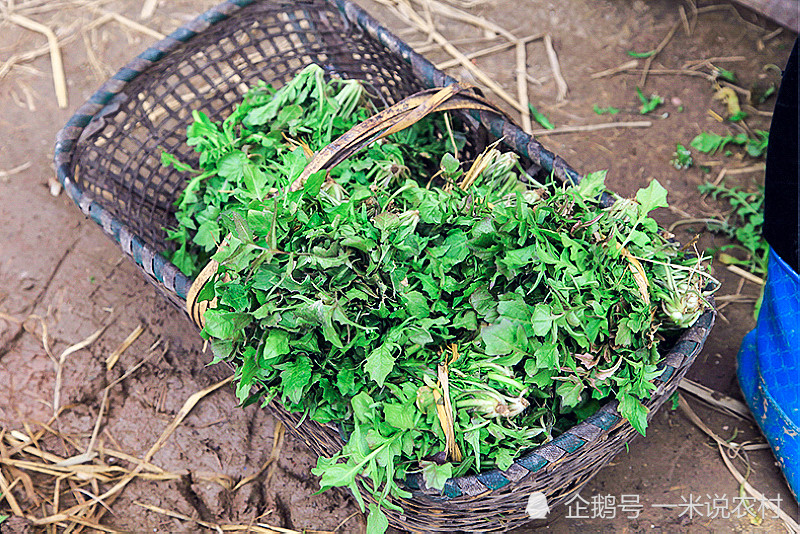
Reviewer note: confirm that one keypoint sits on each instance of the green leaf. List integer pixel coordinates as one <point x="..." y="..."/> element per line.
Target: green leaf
<point x="570" y="393"/>
<point x="540" y="118"/>
<point x="710" y="143"/>
<point x="634" y="411"/>
<point x="168" y="160"/>
<point x="314" y="183"/>
<point x="418" y="335"/>
<point x="345" y="381"/>
<point x="436" y="475"/>
<point x="547" y="356"/>
<point x="483" y="302"/>
<point x="651" y="197"/>
<point x="380" y="362"/>
<point x="592" y="184"/>
<point x="334" y="473"/>
<point x="288" y="115"/>
<point x="236" y="296"/>
<point x="641" y="55"/>
<point x="363" y="407"/>
<point x="514" y="259"/>
<point x="648" y="104"/>
<point x="276" y="344"/>
<point x="255" y="180"/>
<point x="542" y="319"/>
<point x="608" y="110"/>
<point x="498" y="338"/>
<point x="295" y="377"/>
<point x="400" y="416"/>
<point x="225" y="324"/>
<point x="416" y="304"/>
<point x="232" y="165"/>
<point x="503" y="459"/>
<point x="377" y="522"/>
<point x="449" y="164"/>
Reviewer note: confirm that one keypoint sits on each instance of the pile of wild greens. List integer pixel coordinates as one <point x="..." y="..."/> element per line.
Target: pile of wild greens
<point x="446" y="315"/>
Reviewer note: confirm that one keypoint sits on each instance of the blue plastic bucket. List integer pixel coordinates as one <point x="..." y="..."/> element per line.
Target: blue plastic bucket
<point x="769" y="368"/>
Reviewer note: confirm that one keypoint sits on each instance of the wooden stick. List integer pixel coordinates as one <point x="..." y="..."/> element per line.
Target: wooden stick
<point x="490" y="50"/>
<point x="469" y="18"/>
<point x="659" y="48"/>
<point x="522" y="86"/>
<point x="148" y="8"/>
<point x="715" y="399"/>
<point x="561" y="84"/>
<point x="716" y="59"/>
<point x="411" y="15"/>
<point x="56" y="63"/>
<point x="632" y="64"/>
<point x="750" y="277"/>
<point x="594" y="127"/>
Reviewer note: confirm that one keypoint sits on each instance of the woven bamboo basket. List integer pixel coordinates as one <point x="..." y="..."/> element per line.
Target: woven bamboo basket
<point x="108" y="159"/>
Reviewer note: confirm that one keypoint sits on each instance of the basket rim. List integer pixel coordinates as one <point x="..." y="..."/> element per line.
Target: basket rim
<point x="167" y="276"/>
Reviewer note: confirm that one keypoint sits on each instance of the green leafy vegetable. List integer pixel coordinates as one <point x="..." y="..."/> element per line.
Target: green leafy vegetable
<point x="648" y="104"/>
<point x="723" y="74"/>
<point x="390" y="287"/>
<point x="710" y="143"/>
<point x="641" y="55"/>
<point x="682" y="157"/>
<point x="744" y="225"/>
<point x="539" y="117"/>
<point x="608" y="110"/>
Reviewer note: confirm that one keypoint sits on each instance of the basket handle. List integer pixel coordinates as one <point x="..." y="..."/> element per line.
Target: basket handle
<point x="391" y="120"/>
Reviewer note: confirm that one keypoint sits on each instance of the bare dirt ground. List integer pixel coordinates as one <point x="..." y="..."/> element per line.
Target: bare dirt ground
<point x="61" y="281"/>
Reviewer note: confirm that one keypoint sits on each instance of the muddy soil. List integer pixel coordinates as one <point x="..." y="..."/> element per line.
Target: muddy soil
<point x="60" y="273"/>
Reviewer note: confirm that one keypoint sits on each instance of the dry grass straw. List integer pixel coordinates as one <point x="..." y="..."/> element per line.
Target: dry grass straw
<point x="72" y="470"/>
<point x="114" y="356"/>
<point x="594" y="127"/>
<point x="148" y="8"/>
<point x="51" y="480"/>
<point x="501" y="47"/>
<point x="658" y="49"/>
<point x="716" y="400"/>
<point x="4" y="175"/>
<point x="128" y="23"/>
<point x="278" y="435"/>
<point x="555" y="66"/>
<point x="62" y="359"/>
<point x="689" y="23"/>
<point x="729" y="450"/>
<point x="409" y="11"/>
<point x="56" y="63"/>
<point x="218" y="527"/>
<point x="746" y="275"/>
<point x="20" y="13"/>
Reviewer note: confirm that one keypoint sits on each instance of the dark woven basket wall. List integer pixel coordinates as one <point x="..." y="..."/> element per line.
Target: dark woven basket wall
<point x="108" y="158"/>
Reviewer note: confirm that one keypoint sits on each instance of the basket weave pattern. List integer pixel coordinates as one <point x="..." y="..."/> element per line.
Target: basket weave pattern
<point x="108" y="159"/>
